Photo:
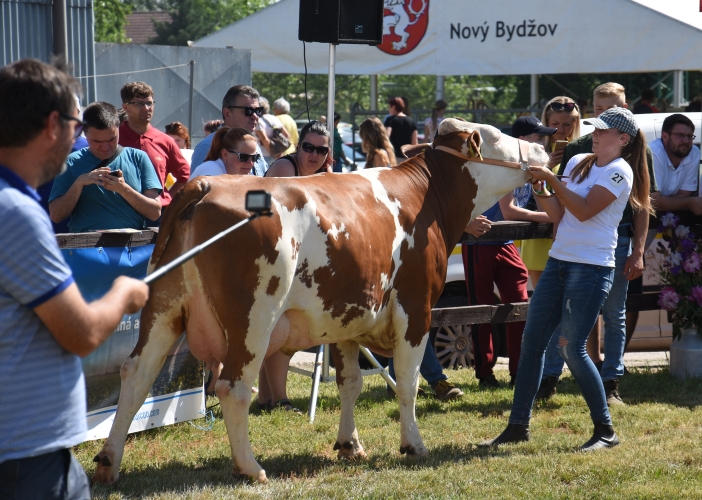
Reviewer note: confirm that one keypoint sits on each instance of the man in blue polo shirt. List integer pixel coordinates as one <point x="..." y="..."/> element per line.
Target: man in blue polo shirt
<point x="45" y="325"/>
<point x="105" y="186"/>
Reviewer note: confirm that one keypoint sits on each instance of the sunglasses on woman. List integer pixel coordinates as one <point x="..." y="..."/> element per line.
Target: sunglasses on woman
<point x="310" y="148"/>
<point x="244" y="157"/>
<point x="248" y="110"/>
<point x="563" y="106"/>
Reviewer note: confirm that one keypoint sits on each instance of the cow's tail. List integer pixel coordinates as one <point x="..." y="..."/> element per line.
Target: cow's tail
<point x="181" y="208"/>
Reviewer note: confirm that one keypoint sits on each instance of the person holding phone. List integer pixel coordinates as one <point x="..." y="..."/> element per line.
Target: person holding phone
<point x="563" y="114"/>
<point x="105" y="186"/>
<point x="588" y="204"/>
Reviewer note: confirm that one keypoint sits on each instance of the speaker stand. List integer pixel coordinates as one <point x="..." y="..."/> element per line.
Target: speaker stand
<point x="331" y="91"/>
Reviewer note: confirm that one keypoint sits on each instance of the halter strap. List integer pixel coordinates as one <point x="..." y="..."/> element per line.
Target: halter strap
<point x="522" y="164"/>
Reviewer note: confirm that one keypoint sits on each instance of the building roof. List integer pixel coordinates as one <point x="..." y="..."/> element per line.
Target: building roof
<point x="140" y="25"/>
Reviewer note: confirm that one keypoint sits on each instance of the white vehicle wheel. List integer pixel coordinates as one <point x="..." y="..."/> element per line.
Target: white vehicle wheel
<point x="454" y="346"/>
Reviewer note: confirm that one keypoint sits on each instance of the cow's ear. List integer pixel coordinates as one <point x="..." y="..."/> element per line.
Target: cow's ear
<point x="473" y="143"/>
<point x="412" y="150"/>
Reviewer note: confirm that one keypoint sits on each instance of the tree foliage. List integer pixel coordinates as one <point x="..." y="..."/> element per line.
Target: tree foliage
<point x="110" y="21"/>
<point x="194" y="19"/>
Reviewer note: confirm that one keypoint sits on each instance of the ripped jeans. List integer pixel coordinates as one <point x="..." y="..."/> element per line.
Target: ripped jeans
<point x="571" y="294"/>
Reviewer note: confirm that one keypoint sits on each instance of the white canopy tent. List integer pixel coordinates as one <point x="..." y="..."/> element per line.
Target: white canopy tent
<point x="496" y="37"/>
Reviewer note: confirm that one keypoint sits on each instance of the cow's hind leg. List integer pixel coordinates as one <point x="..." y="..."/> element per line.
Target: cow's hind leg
<point x="138" y="374"/>
<point x="407" y="360"/>
<point x="234" y="392"/>
<point x="350" y="382"/>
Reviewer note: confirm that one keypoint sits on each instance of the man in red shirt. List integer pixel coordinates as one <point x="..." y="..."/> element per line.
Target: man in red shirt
<point x="137" y="132"/>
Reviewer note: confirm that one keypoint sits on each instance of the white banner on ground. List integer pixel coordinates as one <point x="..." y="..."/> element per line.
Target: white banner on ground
<point x="155" y="412"/>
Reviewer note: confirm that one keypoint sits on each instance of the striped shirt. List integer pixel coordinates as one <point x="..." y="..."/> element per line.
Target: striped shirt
<point x="42" y="389"/>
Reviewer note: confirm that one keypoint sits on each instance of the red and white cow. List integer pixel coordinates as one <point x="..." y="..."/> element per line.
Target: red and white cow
<point x="347" y="259"/>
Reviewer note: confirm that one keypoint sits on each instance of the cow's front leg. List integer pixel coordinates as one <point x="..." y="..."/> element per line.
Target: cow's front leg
<point x="349" y="381"/>
<point x="407" y="360"/>
<point x="138" y="374"/>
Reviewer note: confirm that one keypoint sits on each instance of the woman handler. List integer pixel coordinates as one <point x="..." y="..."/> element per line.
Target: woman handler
<point x="588" y="203"/>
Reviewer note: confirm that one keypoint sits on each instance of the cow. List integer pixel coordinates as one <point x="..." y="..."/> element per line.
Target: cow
<point x="351" y="259"/>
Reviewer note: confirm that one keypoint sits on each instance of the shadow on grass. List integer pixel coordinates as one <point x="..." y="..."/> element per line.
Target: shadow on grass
<point x="176" y="476"/>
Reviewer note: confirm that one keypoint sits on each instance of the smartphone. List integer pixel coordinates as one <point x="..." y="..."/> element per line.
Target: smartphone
<point x="116" y="173"/>
<point x="560" y="145"/>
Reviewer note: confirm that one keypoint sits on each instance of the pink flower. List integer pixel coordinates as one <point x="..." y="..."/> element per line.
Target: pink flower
<point x="696" y="295"/>
<point x="692" y="263"/>
<point x="668" y="298"/>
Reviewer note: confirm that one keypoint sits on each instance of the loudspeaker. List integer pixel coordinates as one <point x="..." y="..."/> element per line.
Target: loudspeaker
<point x="341" y="21"/>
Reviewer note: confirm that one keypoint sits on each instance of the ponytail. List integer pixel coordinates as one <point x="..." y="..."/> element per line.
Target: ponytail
<point x="215" y="152"/>
<point x="635" y="155"/>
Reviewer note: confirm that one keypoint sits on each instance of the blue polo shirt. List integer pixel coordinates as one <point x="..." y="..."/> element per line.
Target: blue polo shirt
<point x="42" y="389"/>
<point x="98" y="208"/>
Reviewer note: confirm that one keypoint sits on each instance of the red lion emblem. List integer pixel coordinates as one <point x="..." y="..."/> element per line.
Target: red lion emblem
<point x="404" y="25"/>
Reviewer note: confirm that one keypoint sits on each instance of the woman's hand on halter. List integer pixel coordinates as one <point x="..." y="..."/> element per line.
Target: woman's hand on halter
<point x="540" y="173"/>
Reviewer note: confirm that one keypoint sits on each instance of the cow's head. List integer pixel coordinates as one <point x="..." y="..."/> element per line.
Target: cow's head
<point x="475" y="139"/>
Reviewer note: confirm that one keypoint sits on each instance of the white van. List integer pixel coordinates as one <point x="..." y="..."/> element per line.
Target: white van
<point x="453" y="344"/>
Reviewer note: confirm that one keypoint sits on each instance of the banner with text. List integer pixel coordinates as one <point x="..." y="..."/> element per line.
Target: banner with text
<point x="481" y="37"/>
<point x="177" y="393"/>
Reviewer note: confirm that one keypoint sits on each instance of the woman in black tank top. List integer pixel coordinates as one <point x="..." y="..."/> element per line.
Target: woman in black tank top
<point x="313" y="156"/>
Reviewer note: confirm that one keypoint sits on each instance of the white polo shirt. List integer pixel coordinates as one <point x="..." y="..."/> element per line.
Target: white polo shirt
<point x="670" y="180"/>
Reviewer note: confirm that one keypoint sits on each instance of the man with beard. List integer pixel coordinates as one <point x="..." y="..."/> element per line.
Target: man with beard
<point x="676" y="162"/>
<point x="105" y="186"/>
<point x="45" y="324"/>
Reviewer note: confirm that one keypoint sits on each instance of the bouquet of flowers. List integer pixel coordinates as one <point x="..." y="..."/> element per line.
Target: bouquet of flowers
<point x="681" y="275"/>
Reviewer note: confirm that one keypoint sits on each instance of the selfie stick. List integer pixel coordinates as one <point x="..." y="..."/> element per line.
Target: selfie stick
<point x="258" y="202"/>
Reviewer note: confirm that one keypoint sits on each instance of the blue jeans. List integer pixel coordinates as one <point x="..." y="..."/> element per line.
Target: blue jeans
<point x="569" y="294"/>
<point x="55" y="475"/>
<point x="614" y="314"/>
<point x="430" y="369"/>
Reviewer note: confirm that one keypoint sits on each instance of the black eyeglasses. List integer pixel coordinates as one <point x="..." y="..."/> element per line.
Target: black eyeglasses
<point x="311" y="148"/>
<point x="244" y="157"/>
<point x="563" y="106"/>
<point x="80" y="124"/>
<point x="248" y="110"/>
<point x="681" y="136"/>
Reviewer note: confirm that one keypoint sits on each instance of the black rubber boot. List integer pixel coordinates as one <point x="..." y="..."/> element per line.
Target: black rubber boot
<point x="603" y="437"/>
<point x="514" y="433"/>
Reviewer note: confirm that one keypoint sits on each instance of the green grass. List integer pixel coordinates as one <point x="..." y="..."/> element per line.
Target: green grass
<point x="660" y="455"/>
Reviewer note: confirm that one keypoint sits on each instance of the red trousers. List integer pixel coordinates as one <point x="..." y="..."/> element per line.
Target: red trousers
<point x="503" y="266"/>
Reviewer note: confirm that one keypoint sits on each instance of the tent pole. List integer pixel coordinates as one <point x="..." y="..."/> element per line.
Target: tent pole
<point x="331" y="89"/>
<point x="374" y="92"/>
<point x="440" y="81"/>
<point x="678" y="88"/>
<point x="534" y="95"/>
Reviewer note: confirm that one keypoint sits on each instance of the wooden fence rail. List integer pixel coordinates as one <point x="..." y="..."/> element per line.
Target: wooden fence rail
<point x="500" y="231"/>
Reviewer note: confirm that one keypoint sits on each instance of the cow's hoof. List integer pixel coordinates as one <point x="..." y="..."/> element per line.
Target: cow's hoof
<point x="410" y="450"/>
<point x="254" y="477"/>
<point x="105" y="474"/>
<point x="349" y="450"/>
